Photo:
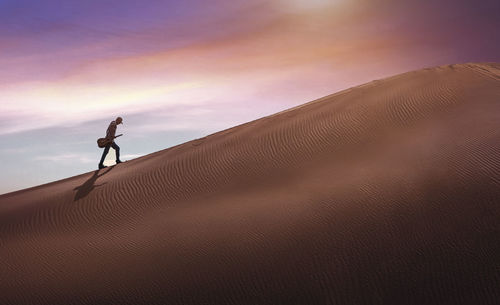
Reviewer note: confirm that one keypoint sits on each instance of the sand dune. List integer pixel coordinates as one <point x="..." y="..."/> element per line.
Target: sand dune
<point x="386" y="193"/>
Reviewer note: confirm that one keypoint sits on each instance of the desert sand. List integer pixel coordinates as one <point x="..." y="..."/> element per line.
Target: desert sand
<point x="385" y="193"/>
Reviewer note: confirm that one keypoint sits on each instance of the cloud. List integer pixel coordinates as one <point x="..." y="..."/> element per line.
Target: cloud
<point x="265" y="55"/>
<point x="81" y="158"/>
<point x="16" y="150"/>
<point x="132" y="156"/>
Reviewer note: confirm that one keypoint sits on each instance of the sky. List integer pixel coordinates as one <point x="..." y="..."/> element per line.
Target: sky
<point x="180" y="70"/>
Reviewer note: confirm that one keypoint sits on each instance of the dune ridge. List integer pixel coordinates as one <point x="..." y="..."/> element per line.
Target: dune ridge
<point x="385" y="193"/>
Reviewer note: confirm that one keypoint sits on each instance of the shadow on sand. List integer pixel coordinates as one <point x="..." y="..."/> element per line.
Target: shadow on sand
<point x="87" y="187"/>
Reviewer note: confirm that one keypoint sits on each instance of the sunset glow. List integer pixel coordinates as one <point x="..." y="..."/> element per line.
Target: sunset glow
<point x="68" y="68"/>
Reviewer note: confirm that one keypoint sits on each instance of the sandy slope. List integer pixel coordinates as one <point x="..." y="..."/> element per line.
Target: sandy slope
<point x="387" y="193"/>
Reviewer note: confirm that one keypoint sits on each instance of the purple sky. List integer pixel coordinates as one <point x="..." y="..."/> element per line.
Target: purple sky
<point x="177" y="70"/>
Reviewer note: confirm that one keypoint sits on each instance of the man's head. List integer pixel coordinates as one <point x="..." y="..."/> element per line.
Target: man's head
<point x="119" y="120"/>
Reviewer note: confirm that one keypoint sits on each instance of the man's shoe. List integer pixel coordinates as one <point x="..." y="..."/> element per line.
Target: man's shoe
<point x="118" y="161"/>
<point x="101" y="166"/>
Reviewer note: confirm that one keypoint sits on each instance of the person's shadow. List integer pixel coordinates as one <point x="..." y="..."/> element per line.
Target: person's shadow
<point x="87" y="187"/>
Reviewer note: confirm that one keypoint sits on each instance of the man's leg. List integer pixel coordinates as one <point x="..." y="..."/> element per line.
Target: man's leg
<point x="104" y="153"/>
<point x="117" y="151"/>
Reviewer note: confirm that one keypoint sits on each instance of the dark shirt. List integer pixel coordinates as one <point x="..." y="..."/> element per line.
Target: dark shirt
<point x="110" y="133"/>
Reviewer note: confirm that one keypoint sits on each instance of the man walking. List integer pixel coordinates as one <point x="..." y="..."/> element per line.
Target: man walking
<point x="110" y="137"/>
